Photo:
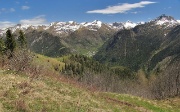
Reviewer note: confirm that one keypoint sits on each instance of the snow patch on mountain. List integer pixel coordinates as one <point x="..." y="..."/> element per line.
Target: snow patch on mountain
<point x="19" y="27"/>
<point x="94" y="26"/>
<point x="178" y="21"/>
<point x="14" y="28"/>
<point x="165" y="20"/>
<point x="71" y="26"/>
<point x="66" y="27"/>
<point x="129" y="25"/>
<point x="97" y="23"/>
<point x="123" y="25"/>
<point x="58" y="27"/>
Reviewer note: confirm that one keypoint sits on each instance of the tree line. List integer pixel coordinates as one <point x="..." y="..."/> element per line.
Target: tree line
<point x="79" y="64"/>
<point x="9" y="44"/>
<point x="123" y="80"/>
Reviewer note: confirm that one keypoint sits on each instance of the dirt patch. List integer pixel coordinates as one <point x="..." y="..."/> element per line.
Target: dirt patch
<point x="121" y="103"/>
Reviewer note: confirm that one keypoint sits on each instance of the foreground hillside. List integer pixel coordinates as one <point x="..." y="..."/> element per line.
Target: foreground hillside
<point x="19" y="93"/>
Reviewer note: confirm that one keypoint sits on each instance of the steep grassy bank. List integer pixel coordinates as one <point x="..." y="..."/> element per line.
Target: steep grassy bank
<point x="18" y="93"/>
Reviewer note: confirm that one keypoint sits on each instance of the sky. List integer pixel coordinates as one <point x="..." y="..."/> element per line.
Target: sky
<point x="37" y="12"/>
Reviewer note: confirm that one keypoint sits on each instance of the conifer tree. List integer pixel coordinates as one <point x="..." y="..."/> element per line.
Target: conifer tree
<point x="10" y="41"/>
<point x="2" y="46"/>
<point x="22" y="39"/>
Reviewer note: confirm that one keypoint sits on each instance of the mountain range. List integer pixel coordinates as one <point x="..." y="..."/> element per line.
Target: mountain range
<point x="62" y="28"/>
<point x="61" y="38"/>
<point x="134" y="45"/>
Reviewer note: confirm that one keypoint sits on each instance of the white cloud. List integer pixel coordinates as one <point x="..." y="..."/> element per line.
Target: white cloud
<point x="39" y="20"/>
<point x="6" y="24"/>
<point x="4" y="10"/>
<point x="167" y="8"/>
<point x="12" y="10"/>
<point x="25" y="7"/>
<point x="134" y="12"/>
<point x="17" y="2"/>
<point x="121" y="8"/>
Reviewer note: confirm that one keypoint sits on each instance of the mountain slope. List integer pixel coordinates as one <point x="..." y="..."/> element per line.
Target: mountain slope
<point x="170" y="48"/>
<point x="87" y="42"/>
<point x="133" y="48"/>
<point x="62" y="38"/>
<point x="82" y="41"/>
<point x="46" y="44"/>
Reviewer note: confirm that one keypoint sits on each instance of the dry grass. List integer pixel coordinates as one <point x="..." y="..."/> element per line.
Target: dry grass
<point x="18" y="93"/>
<point x="45" y="94"/>
<point x="54" y="92"/>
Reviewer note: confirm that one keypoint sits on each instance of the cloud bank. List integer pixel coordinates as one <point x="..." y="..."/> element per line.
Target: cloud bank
<point x="6" y="24"/>
<point x="121" y="8"/>
<point x="39" y="20"/>
<point x="5" y="10"/>
<point x="25" y="7"/>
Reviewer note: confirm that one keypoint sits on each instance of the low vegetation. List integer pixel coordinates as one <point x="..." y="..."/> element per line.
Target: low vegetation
<point x="45" y="93"/>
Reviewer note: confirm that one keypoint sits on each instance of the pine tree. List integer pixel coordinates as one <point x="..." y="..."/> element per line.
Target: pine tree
<point x="2" y="46"/>
<point x="22" y="39"/>
<point x="10" y="42"/>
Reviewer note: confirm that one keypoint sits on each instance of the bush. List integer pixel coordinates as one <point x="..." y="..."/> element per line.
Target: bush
<point x="20" y="61"/>
<point x="167" y="84"/>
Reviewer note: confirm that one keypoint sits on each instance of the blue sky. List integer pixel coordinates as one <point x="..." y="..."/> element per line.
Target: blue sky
<point x="46" y="11"/>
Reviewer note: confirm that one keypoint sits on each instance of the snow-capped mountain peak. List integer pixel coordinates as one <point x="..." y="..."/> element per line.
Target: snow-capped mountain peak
<point x="163" y="17"/>
<point x="71" y="26"/>
<point x="165" y="20"/>
<point x="64" y="27"/>
<point x="71" y="22"/>
<point x="96" y="24"/>
<point x="129" y="24"/>
<point x="19" y="27"/>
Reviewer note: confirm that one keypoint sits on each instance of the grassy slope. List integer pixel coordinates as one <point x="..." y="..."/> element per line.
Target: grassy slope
<point x="58" y="94"/>
<point x="48" y="62"/>
<point x="50" y="94"/>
